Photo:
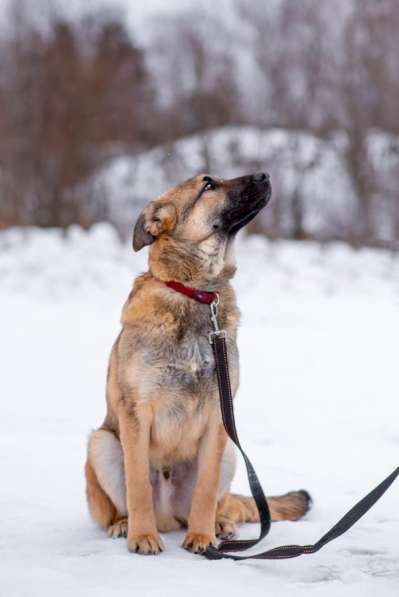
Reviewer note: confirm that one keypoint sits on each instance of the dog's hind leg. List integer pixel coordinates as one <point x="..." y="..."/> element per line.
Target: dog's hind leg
<point x="234" y="509"/>
<point x="106" y="493"/>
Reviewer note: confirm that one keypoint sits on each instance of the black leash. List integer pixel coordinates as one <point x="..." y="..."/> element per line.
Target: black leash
<point x="218" y="341"/>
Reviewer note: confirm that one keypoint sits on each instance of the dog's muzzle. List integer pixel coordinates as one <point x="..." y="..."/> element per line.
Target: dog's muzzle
<point x="246" y="197"/>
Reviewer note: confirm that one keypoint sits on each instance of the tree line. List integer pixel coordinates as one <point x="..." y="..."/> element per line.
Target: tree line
<point x="76" y="93"/>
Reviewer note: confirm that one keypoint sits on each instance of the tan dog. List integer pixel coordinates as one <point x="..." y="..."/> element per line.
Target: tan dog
<point x="161" y="459"/>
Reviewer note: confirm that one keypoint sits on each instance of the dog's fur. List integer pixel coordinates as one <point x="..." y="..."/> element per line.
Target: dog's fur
<point x="161" y="459"/>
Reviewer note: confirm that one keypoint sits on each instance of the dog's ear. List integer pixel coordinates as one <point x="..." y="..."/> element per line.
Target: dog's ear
<point x="153" y="220"/>
<point x="141" y="236"/>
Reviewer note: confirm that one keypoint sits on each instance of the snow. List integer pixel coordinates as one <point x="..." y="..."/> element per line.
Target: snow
<point x="300" y="164"/>
<point x="317" y="408"/>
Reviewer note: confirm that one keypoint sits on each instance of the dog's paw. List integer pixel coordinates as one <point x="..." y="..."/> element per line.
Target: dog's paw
<point x="198" y="542"/>
<point x="145" y="543"/>
<point x="118" y="529"/>
<point x="225" y="529"/>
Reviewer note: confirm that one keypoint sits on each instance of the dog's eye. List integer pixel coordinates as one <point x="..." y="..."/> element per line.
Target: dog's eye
<point x="210" y="186"/>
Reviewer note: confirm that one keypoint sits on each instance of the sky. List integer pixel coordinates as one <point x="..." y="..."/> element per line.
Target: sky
<point x="138" y="12"/>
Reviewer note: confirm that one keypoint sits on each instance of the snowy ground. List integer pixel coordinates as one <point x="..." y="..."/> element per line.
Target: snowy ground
<point x="317" y="408"/>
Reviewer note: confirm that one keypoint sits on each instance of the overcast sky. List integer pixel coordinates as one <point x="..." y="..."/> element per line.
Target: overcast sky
<point x="137" y="11"/>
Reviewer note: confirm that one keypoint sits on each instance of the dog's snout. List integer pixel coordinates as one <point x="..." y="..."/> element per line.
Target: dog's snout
<point x="261" y="177"/>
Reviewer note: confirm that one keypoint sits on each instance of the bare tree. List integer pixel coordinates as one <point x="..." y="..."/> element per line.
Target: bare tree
<point x="66" y="109"/>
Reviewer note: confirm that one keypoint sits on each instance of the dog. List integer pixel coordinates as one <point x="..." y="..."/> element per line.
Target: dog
<point x="161" y="460"/>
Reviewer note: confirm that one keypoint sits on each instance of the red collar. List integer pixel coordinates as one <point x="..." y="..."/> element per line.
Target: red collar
<point x="202" y="296"/>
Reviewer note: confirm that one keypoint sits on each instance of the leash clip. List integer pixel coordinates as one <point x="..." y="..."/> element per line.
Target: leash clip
<point x="217" y="332"/>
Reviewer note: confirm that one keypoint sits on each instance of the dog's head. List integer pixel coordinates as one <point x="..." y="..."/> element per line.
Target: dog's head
<point x="196" y="221"/>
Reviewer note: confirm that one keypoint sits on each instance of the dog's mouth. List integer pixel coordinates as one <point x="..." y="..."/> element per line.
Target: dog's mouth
<point x="245" y="201"/>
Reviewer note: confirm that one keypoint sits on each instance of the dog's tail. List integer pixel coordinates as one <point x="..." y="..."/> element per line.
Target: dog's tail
<point x="290" y="506"/>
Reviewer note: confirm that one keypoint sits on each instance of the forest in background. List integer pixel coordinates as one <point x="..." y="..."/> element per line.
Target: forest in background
<point x="76" y="94"/>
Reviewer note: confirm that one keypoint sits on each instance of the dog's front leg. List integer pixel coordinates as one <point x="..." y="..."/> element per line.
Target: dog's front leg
<point x="135" y="426"/>
<point x="201" y="523"/>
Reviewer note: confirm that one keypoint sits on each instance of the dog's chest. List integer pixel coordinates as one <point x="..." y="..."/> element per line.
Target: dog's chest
<point x="188" y="363"/>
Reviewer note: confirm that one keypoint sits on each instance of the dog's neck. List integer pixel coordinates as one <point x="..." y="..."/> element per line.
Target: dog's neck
<point x="208" y="265"/>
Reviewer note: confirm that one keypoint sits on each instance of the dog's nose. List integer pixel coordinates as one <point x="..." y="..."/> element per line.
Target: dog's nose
<point x="260" y="177"/>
